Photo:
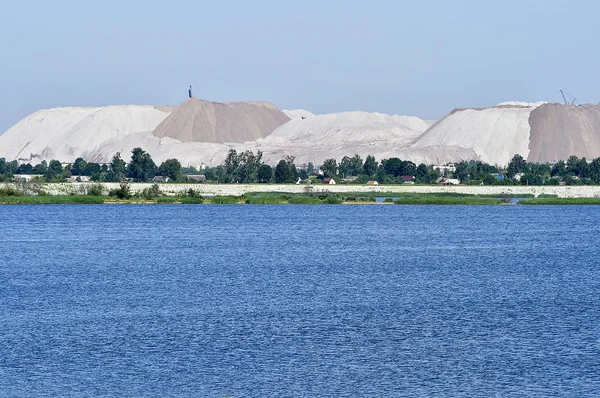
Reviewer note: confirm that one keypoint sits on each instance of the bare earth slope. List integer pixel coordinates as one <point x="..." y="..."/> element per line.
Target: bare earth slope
<point x="203" y="121"/>
<point x="494" y="134"/>
<point x="559" y="131"/>
<point x="67" y="133"/>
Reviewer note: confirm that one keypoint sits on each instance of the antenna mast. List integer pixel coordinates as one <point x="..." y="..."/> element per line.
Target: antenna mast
<point x="564" y="95"/>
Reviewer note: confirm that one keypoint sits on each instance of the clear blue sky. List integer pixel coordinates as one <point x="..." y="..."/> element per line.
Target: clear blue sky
<point x="420" y="58"/>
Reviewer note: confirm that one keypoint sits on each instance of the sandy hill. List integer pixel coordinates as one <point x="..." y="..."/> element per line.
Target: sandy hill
<point x="559" y="131"/>
<point x="203" y="121"/>
<point x="298" y="114"/>
<point x="67" y="133"/>
<point x="347" y="127"/>
<point x="494" y="134"/>
<point x="540" y="132"/>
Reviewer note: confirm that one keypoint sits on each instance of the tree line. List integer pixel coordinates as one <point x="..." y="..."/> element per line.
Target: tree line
<point x="248" y="167"/>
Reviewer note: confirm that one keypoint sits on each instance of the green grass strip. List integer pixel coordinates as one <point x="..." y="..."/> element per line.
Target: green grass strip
<point x="561" y="201"/>
<point x="51" y="200"/>
<point x="447" y="200"/>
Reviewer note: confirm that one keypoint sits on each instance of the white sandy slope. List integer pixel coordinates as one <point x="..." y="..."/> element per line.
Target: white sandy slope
<point x="96" y="134"/>
<point x="346" y="127"/>
<point x="67" y="133"/>
<point x="298" y="114"/>
<point x="495" y="134"/>
<point x="313" y="139"/>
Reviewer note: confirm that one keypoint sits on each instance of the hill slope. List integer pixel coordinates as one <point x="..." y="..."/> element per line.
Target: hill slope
<point x="67" y="133"/>
<point x="203" y="121"/>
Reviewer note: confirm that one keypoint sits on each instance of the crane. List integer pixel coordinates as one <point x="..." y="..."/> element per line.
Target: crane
<point x="565" y="94"/>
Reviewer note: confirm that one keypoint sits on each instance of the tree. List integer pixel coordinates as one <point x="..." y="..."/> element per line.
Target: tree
<point x="422" y="173"/>
<point x="265" y="173"/>
<point x="286" y="172"/>
<point x="54" y="171"/>
<point x="248" y="166"/>
<point x="351" y="166"/>
<point x="558" y="169"/>
<point x="92" y="169"/>
<point x="118" y="169"/>
<point x="463" y="172"/>
<point x="392" y="166"/>
<point x="142" y="167"/>
<point x="25" y="168"/>
<point x="281" y="172"/>
<point x="516" y="165"/>
<point x="78" y="168"/>
<point x="230" y="165"/>
<point x="170" y="168"/>
<point x="330" y="168"/>
<point x="595" y="170"/>
<point x="370" y="166"/>
<point x="41" y="168"/>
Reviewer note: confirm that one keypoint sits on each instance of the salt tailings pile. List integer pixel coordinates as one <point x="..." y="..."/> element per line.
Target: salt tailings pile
<point x="559" y="131"/>
<point x="203" y="121"/>
<point x="203" y="132"/>
<point x="539" y="132"/>
<point x="67" y="133"/>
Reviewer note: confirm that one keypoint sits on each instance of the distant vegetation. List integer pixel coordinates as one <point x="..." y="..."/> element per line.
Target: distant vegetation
<point x="249" y="168"/>
<point x="151" y="195"/>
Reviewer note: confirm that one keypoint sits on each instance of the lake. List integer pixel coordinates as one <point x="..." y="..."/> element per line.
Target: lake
<point x="299" y="301"/>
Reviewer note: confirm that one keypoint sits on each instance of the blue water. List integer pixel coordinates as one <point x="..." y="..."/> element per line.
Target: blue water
<point x="299" y="301"/>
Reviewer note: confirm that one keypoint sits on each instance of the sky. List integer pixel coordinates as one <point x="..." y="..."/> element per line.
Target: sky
<point x="421" y="58"/>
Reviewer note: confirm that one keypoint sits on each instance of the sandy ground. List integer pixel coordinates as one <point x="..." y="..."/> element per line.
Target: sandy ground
<point x="239" y="189"/>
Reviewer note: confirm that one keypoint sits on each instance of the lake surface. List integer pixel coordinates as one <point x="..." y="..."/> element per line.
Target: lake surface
<point x="299" y="301"/>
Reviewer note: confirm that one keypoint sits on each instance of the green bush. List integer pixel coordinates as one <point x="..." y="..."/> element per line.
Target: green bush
<point x="193" y="194"/>
<point x="150" y="193"/>
<point x="192" y="201"/>
<point x="332" y="200"/>
<point x="303" y="200"/>
<point x="52" y="200"/>
<point x="9" y="191"/>
<point x="95" y="190"/>
<point x="447" y="200"/>
<point x="166" y="200"/>
<point x="123" y="192"/>
<point x="561" y="201"/>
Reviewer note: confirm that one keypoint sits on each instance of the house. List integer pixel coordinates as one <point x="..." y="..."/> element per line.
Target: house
<point x="328" y="181"/>
<point x="160" y="179"/>
<point x="79" y="179"/>
<point x="448" y="181"/>
<point x="197" y="178"/>
<point x="22" y="177"/>
<point x="518" y="176"/>
<point x="408" y="179"/>
<point x="445" y="169"/>
<point x="349" y="179"/>
<point x="372" y="182"/>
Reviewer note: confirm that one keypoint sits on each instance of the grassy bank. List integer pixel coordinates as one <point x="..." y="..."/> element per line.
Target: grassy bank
<point x="51" y="200"/>
<point x="561" y="201"/>
<point x="271" y="198"/>
<point x="447" y="200"/>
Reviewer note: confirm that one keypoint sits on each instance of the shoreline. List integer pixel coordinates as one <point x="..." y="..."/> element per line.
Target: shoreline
<point x="298" y="199"/>
<point x="572" y="191"/>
